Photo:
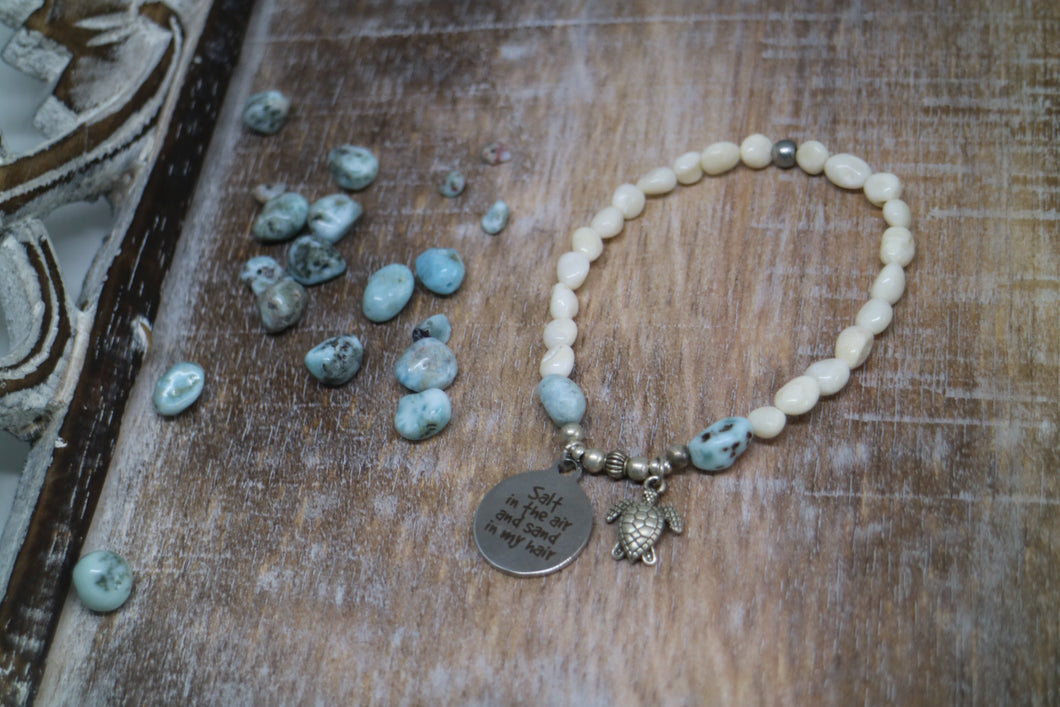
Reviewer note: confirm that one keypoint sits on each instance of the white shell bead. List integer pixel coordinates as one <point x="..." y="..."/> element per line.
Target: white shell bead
<point x="897" y="246"/>
<point x="629" y="199"/>
<point x="657" y="182"/>
<point x="687" y="168"/>
<point x="756" y="151"/>
<point x="811" y="157"/>
<point x="831" y="374"/>
<point x="896" y="213"/>
<point x="557" y="362"/>
<point x="608" y="222"/>
<point x="719" y="158"/>
<point x="882" y="187"/>
<point x="563" y="303"/>
<point x="767" y="421"/>
<point x="853" y="345"/>
<point x="586" y="241"/>
<point x="572" y="269"/>
<point x="875" y="315"/>
<point x="560" y="332"/>
<point x="889" y="284"/>
<point x="847" y="171"/>
<point x="798" y="396"/>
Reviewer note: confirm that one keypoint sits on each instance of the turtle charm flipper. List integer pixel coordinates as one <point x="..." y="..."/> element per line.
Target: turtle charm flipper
<point x="640" y="524"/>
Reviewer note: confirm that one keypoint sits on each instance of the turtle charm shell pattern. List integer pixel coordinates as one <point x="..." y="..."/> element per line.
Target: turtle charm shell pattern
<point x="640" y="524"/>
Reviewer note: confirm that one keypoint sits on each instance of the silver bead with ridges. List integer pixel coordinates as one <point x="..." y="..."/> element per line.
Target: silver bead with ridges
<point x="784" y="153"/>
<point x="659" y="467"/>
<point x="593" y="460"/>
<point x="637" y="468"/>
<point x="615" y="464"/>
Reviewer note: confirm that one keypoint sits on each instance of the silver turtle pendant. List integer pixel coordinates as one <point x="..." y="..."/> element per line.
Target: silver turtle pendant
<point x="640" y="525"/>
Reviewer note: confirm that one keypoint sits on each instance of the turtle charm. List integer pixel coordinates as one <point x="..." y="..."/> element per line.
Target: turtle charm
<point x="640" y="524"/>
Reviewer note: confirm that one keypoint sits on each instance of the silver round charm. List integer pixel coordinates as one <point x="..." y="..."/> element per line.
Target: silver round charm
<point x="534" y="523"/>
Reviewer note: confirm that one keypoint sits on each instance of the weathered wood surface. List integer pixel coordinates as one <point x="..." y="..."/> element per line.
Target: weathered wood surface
<point x="899" y="544"/>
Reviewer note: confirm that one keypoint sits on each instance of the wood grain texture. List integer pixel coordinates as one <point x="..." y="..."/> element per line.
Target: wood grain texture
<point x="897" y="545"/>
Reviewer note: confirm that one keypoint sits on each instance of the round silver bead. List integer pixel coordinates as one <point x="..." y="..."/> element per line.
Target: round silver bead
<point x="572" y="432"/>
<point x="784" y="153"/>
<point x="576" y="451"/>
<point x="637" y="468"/>
<point x="678" y="456"/>
<point x="593" y="460"/>
<point x="615" y="464"/>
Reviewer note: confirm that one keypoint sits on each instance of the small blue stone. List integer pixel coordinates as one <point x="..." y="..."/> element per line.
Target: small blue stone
<point x="496" y="218"/>
<point x="428" y="363"/>
<point x="179" y="388"/>
<point x="281" y="218"/>
<point x="353" y="167"/>
<point x="311" y="261"/>
<point x="454" y="184"/>
<point x="564" y="401"/>
<point x="436" y="327"/>
<point x="440" y="270"/>
<point x="422" y="415"/>
<point x="103" y="580"/>
<point x="389" y="289"/>
<point x="717" y="447"/>
<point x="332" y="216"/>
<point x="335" y="361"/>
<point x="260" y="272"/>
<point x="266" y="112"/>
<point x="282" y="304"/>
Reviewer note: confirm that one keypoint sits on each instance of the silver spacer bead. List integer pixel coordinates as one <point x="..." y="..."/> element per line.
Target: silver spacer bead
<point x="575" y="451"/>
<point x="659" y="467"/>
<point x="678" y="456"/>
<point x="593" y="460"/>
<point x="637" y="468"/>
<point x="572" y="432"/>
<point x="784" y="153"/>
<point x="615" y="464"/>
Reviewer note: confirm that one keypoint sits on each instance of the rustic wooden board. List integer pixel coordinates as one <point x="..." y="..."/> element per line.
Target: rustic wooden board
<point x="899" y="544"/>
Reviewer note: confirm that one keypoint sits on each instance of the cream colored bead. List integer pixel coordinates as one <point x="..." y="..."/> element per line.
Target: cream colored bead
<point x="889" y="284"/>
<point x="831" y="375"/>
<point x="875" y="315"/>
<point x="560" y="332"/>
<point x="587" y="241"/>
<point x="881" y="187"/>
<point x="897" y="246"/>
<point x="572" y="269"/>
<point x="687" y="168"/>
<point x="811" y="157"/>
<point x="563" y="303"/>
<point x="657" y="182"/>
<point x="629" y="199"/>
<point x="756" y="151"/>
<point x="719" y="158"/>
<point x="896" y="213"/>
<point x="847" y="171"/>
<point x="853" y="345"/>
<point x="558" y="362"/>
<point x="608" y="222"/>
<point x="767" y="421"/>
<point x="798" y="396"/>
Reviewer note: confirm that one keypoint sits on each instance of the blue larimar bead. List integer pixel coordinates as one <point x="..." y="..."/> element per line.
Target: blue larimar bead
<point x="454" y="184"/>
<point x="103" y="580"/>
<point x="260" y="272"/>
<point x="440" y="270"/>
<point x="389" y="289"/>
<point x="311" y="261"/>
<point x="353" y="167"/>
<point x="428" y="363"/>
<point x="282" y="304"/>
<point x="266" y="112"/>
<point x="422" y="415"/>
<point x="436" y="327"/>
<point x="564" y="401"/>
<point x="496" y="218"/>
<point x="179" y="388"/>
<point x="281" y="218"/>
<point x="717" y="447"/>
<point x="335" y="361"/>
<point x="332" y="216"/>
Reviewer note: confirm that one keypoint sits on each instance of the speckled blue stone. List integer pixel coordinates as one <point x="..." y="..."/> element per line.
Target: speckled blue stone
<point x="281" y="218"/>
<point x="353" y="167"/>
<point x="717" y="447"/>
<point x="332" y="216"/>
<point x="564" y="401"/>
<point x="496" y="218"/>
<point x="103" y="580"/>
<point x="436" y="327"/>
<point x="335" y="361"/>
<point x="260" y="272"/>
<point x="422" y="415"/>
<point x="389" y="289"/>
<point x="428" y="363"/>
<point x="454" y="184"/>
<point x="440" y="270"/>
<point x="178" y="388"/>
<point x="266" y="112"/>
<point x="311" y="261"/>
<point x="282" y="304"/>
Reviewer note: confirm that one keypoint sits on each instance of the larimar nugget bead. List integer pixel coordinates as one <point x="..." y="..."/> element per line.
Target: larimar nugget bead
<point x="440" y="270"/>
<point x="436" y="327"/>
<point x="266" y="112"/>
<point x="564" y="401"/>
<point x="496" y="218"/>
<point x="281" y="218"/>
<point x="311" y="261"/>
<point x="261" y="271"/>
<point x="428" y="363"/>
<point x="178" y="388"/>
<point x="454" y="184"/>
<point x="335" y="361"/>
<point x="332" y="216"/>
<point x="282" y="304"/>
<point x="353" y="167"/>
<point x="103" y="580"/>
<point x="717" y="447"/>
<point x="422" y="415"/>
<point x="389" y="289"/>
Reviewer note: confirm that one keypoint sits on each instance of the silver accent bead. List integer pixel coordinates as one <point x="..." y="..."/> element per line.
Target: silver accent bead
<point x="593" y="460"/>
<point x="784" y="153"/>
<point x="615" y="464"/>
<point x="575" y="451"/>
<point x="637" y="468"/>
<point x="678" y="456"/>
<point x="659" y="467"/>
<point x="572" y="432"/>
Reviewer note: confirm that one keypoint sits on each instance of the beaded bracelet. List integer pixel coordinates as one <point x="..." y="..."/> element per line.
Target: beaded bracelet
<point x="537" y="522"/>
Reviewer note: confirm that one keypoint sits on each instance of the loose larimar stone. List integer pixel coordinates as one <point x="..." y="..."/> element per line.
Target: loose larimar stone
<point x="564" y="401"/>
<point x="422" y="415"/>
<point x="440" y="270"/>
<point x="265" y="113"/>
<point x="496" y="218"/>
<point x="717" y="447"/>
<point x="260" y="272"/>
<point x="269" y="190"/>
<point x="103" y="580"/>
<point x="179" y="388"/>
<point x="496" y="152"/>
<point x="353" y="167"/>
<point x="282" y="304"/>
<point x="389" y="289"/>
<point x="436" y="327"/>
<point x="311" y="261"/>
<point x="335" y="361"/>
<point x="453" y="185"/>
<point x="428" y="363"/>
<point x="332" y="216"/>
<point x="281" y="218"/>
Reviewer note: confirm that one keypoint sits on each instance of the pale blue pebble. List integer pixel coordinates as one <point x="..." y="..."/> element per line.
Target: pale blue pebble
<point x="178" y="388"/>
<point x="496" y="218"/>
<point x="266" y="112"/>
<point x="454" y="184"/>
<point x="564" y="401"/>
<point x="389" y="289"/>
<point x="337" y="360"/>
<point x="436" y="327"/>
<point x="282" y="304"/>
<point x="717" y="447"/>
<point x="353" y="167"/>
<point x="281" y="218"/>
<point x="261" y="271"/>
<point x="428" y="363"/>
<point x="330" y="217"/>
<point x="311" y="261"/>
<point x="422" y="415"/>
<point x="440" y="270"/>
<point x="103" y="580"/>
